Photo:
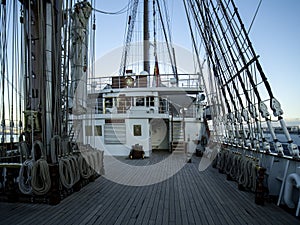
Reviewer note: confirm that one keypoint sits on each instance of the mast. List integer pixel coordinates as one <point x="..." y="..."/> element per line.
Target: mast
<point x="146" y="37"/>
<point x="42" y="27"/>
<point x="79" y="55"/>
<point x="48" y="73"/>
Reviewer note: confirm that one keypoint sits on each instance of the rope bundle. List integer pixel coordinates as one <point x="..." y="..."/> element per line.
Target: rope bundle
<point x="65" y="173"/>
<point x="84" y="167"/>
<point x="37" y="179"/>
<point x="69" y="171"/>
<point x="25" y="183"/>
<point x="72" y="168"/>
<point x="75" y="168"/>
<point x="90" y="162"/>
<point x="240" y="168"/>
<point x="34" y="175"/>
<point x="41" y="181"/>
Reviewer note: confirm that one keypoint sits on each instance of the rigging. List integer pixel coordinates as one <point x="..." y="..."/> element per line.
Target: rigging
<point x="121" y="11"/>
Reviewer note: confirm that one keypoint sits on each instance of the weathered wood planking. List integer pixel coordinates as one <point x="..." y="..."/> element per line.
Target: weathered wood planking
<point x="189" y="197"/>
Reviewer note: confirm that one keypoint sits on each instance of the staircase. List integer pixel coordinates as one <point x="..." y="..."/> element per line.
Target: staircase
<point x="75" y="128"/>
<point x="178" y="143"/>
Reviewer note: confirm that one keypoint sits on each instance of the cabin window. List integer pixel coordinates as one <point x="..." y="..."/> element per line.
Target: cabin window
<point x="162" y="105"/>
<point x="88" y="131"/>
<point x="137" y="130"/>
<point x="99" y="105"/>
<point x="108" y="102"/>
<point x="129" y="101"/>
<point x="150" y="101"/>
<point x="121" y="100"/>
<point x="98" y="130"/>
<point x="140" y="101"/>
<point x="123" y="103"/>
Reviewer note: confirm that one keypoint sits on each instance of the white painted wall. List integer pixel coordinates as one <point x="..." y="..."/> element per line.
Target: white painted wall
<point x="192" y="129"/>
<point x="144" y="139"/>
<point x="122" y="149"/>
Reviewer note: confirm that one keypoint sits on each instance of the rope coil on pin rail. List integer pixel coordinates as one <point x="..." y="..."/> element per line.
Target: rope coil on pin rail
<point x="37" y="178"/>
<point x="74" y="167"/>
<point x="25" y="183"/>
<point x="242" y="169"/>
<point x="65" y="172"/>
<point x="83" y="168"/>
<point x="90" y="161"/>
<point x="68" y="169"/>
<point x="100" y="156"/>
<point x="41" y="181"/>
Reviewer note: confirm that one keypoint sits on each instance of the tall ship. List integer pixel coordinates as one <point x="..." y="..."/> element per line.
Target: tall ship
<point x="64" y="124"/>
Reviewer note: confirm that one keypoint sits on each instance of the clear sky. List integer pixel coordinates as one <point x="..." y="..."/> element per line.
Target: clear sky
<point x="275" y="36"/>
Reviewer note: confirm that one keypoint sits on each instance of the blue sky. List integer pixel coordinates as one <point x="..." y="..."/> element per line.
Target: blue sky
<point x="275" y="35"/>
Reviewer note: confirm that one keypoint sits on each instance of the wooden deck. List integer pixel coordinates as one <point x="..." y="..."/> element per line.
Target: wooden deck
<point x="189" y="197"/>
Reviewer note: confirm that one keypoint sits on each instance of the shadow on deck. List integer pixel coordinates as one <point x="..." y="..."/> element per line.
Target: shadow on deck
<point x="188" y="197"/>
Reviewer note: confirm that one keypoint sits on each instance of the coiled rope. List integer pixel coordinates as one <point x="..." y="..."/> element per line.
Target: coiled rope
<point x="243" y="169"/>
<point x="100" y="168"/>
<point x="84" y="168"/>
<point x="65" y="173"/>
<point x="41" y="181"/>
<point x="25" y="183"/>
<point x="37" y="179"/>
<point x="69" y="171"/>
<point x="75" y="168"/>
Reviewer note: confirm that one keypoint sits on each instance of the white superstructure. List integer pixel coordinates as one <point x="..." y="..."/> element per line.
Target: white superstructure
<point x="124" y="111"/>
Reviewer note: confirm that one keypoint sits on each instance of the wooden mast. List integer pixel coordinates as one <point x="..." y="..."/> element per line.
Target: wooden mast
<point x="146" y="37"/>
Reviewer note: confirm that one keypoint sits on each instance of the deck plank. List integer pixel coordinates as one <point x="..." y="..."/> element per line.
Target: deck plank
<point x="188" y="197"/>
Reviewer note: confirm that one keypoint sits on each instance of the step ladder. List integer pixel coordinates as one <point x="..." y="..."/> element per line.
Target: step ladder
<point x="75" y="129"/>
<point x="178" y="144"/>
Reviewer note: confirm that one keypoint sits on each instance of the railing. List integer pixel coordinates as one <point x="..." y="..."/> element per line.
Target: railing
<point x="191" y="112"/>
<point x="144" y="81"/>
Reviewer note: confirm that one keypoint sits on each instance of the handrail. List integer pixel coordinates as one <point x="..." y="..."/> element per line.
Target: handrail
<point x="144" y="81"/>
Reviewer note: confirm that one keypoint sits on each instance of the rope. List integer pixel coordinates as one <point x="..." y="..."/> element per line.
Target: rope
<point x="229" y="163"/>
<point x="254" y="176"/>
<point x="234" y="169"/>
<point x="41" y="181"/>
<point x="100" y="168"/>
<point x="255" y="14"/>
<point x="243" y="172"/>
<point x="55" y="148"/>
<point x="43" y="153"/>
<point x="247" y="173"/>
<point x="240" y="168"/>
<point x="74" y="168"/>
<point x="25" y="184"/>
<point x="84" y="168"/>
<point x="66" y="173"/>
<point x="23" y="149"/>
<point x="38" y="175"/>
<point x="91" y="161"/>
<point x="121" y="11"/>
